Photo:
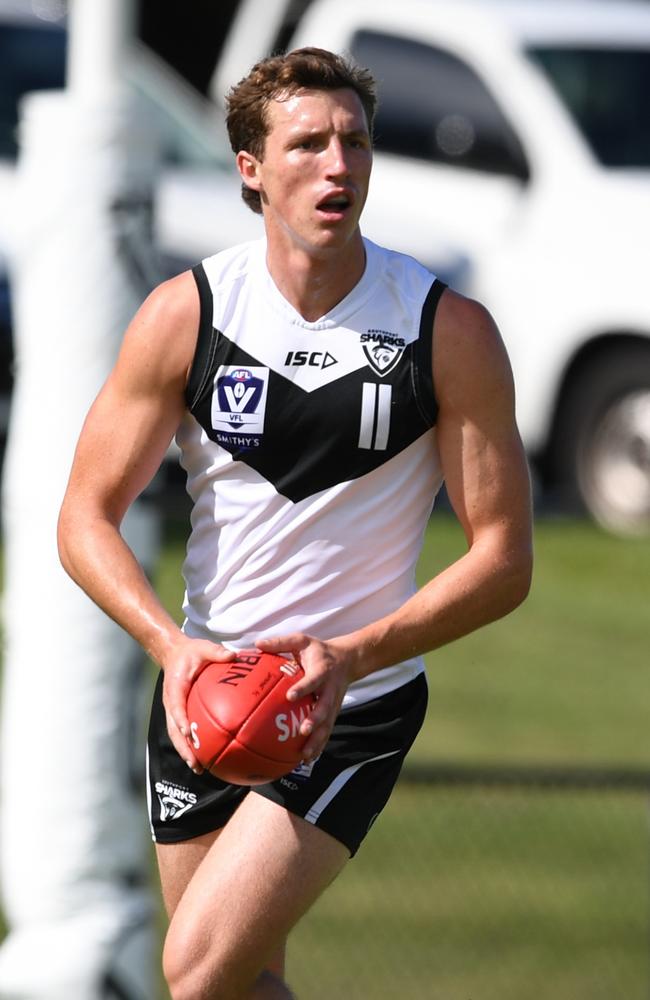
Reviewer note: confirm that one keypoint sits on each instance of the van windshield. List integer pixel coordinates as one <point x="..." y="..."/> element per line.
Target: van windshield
<point x="606" y="91"/>
<point x="31" y="58"/>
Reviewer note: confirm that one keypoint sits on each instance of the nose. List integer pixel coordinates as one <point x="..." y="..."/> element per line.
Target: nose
<point x="337" y="161"/>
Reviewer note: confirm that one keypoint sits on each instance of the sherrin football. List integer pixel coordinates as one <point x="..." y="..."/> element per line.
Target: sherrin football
<point x="242" y="727"/>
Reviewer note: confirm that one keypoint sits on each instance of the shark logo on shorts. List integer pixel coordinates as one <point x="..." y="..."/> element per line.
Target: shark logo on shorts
<point x="174" y="800"/>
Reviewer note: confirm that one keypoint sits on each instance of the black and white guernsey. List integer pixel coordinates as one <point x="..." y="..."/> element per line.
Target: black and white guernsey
<point x="310" y="451"/>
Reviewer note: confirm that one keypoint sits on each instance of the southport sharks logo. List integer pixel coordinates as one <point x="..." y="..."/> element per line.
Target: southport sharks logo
<point x="174" y="800"/>
<point x="382" y="349"/>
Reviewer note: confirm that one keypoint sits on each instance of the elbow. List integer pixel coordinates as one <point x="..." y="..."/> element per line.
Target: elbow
<point x="517" y="582"/>
<point x="62" y="541"/>
<point x="68" y="539"/>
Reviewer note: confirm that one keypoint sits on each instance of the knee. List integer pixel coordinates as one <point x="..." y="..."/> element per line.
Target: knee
<point x="189" y="982"/>
<point x="193" y="971"/>
<point x="180" y="976"/>
<point x="184" y="969"/>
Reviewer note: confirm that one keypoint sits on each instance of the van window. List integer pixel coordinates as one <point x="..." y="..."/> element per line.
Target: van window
<point x="607" y="92"/>
<point x="433" y="106"/>
<point x="31" y="58"/>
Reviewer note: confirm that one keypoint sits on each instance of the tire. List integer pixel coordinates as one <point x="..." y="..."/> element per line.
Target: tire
<point x="603" y="440"/>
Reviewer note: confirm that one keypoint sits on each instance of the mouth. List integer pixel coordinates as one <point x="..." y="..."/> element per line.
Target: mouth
<point x="336" y="204"/>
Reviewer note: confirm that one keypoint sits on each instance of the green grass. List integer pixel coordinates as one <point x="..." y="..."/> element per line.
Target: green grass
<point x="486" y="894"/>
<point x="564" y="678"/>
<point x="507" y="894"/>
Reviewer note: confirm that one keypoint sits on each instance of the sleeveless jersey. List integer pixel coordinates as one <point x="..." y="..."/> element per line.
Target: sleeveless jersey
<point x="310" y="454"/>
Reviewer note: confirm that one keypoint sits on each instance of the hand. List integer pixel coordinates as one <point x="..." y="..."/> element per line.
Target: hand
<point x="327" y="667"/>
<point x="188" y="659"/>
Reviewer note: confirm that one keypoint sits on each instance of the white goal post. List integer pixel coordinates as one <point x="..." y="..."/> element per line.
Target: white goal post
<point x="74" y="849"/>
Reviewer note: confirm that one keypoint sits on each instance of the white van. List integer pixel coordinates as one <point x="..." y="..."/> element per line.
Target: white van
<point x="513" y="156"/>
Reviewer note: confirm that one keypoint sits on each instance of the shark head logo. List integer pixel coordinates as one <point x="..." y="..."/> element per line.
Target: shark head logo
<point x="382" y="356"/>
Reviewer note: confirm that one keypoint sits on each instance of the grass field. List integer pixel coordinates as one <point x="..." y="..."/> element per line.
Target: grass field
<point x="508" y="894"/>
<point x="483" y="893"/>
<point x="565" y="676"/>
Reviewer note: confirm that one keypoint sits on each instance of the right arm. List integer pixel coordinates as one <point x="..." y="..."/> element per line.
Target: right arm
<point x="122" y="444"/>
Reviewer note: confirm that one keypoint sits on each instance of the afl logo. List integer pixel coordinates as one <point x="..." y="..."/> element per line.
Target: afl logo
<point x="239" y="395"/>
<point x="238" y="405"/>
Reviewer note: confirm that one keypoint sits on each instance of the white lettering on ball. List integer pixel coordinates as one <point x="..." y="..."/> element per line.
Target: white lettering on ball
<point x="289" y="725"/>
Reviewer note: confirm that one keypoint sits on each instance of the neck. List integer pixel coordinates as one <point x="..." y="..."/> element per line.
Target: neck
<point x="313" y="283"/>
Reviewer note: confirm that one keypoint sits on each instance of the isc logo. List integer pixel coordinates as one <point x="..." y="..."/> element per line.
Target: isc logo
<point x="288" y="726"/>
<point x="315" y="359"/>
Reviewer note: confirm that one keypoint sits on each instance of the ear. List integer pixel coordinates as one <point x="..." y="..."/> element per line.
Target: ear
<point x="248" y="166"/>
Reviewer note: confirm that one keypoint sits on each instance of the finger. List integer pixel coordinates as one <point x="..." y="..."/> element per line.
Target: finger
<point x="219" y="654"/>
<point x="225" y="656"/>
<point x="293" y="643"/>
<point x="318" y="725"/>
<point x="316" y="743"/>
<point x="176" y="688"/>
<point x="306" y="685"/>
<point x="183" y="747"/>
<point x="321" y="714"/>
<point x="177" y="711"/>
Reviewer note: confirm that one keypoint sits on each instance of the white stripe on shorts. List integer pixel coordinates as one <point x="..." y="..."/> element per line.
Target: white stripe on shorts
<point x="148" y="788"/>
<point x="342" y="779"/>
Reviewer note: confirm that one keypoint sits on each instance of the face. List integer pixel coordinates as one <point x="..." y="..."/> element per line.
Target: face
<point x="313" y="178"/>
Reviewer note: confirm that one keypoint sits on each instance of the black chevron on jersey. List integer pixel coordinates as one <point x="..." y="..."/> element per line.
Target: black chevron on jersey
<point x="304" y="442"/>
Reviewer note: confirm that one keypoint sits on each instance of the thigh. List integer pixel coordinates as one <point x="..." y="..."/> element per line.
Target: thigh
<point x="177" y="864"/>
<point x="253" y="883"/>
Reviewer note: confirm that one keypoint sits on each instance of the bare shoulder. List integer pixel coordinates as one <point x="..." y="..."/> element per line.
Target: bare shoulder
<point x="469" y="357"/>
<point x="173" y="302"/>
<point x="161" y="339"/>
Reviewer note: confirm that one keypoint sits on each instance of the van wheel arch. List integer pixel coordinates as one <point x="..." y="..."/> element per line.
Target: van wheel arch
<point x="598" y="456"/>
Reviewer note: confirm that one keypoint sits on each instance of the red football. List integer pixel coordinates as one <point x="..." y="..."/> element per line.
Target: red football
<point x="243" y="728"/>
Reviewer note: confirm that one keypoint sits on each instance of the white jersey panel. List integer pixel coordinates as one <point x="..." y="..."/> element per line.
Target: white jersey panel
<point x="268" y="556"/>
<point x="277" y="335"/>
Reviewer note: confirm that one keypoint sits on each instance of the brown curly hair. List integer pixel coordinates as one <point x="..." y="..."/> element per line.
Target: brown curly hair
<point x="308" y="69"/>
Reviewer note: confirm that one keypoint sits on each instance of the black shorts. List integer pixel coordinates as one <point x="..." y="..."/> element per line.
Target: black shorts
<point x="342" y="792"/>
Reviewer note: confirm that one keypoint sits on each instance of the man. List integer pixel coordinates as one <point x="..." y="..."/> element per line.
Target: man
<point x="320" y="387"/>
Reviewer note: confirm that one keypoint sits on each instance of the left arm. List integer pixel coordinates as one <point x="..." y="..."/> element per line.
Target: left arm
<point x="489" y="488"/>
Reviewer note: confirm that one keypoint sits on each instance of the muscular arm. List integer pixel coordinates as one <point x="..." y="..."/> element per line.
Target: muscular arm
<point x="488" y="485"/>
<point x="122" y="444"/>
